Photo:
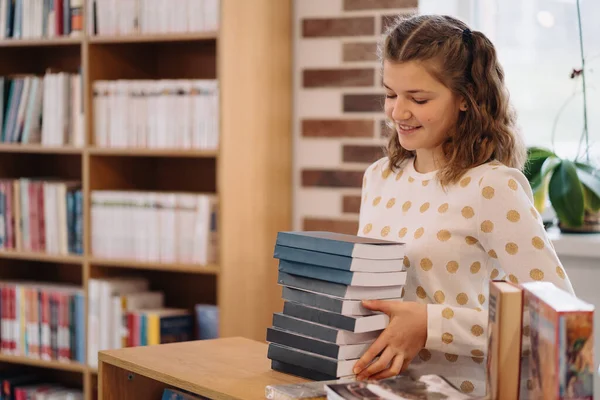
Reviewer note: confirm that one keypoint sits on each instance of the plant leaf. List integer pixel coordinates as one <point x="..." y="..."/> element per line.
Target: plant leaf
<point x="566" y="194"/>
<point x="539" y="196"/>
<point x="591" y="200"/>
<point x="535" y="158"/>
<point x="549" y="164"/>
<point x="590" y="178"/>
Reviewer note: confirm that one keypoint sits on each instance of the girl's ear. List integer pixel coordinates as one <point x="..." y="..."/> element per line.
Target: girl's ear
<point x="463" y="105"/>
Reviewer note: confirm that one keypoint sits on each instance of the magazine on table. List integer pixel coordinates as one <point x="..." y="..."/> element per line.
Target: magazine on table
<point x="402" y="387"/>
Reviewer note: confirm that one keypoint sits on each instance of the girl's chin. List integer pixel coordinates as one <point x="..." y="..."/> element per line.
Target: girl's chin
<point x="409" y="143"/>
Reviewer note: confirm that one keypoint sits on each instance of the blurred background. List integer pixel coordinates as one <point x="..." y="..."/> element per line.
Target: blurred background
<point x="150" y="151"/>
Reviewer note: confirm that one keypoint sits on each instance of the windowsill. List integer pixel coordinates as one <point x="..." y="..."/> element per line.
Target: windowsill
<point x="585" y="245"/>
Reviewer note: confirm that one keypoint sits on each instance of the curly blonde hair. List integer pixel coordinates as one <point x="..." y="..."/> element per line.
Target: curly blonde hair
<point x="465" y="62"/>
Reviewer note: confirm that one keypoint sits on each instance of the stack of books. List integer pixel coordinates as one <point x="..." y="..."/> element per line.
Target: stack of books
<point x="324" y="329"/>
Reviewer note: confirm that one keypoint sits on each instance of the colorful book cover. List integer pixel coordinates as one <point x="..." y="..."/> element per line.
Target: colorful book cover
<point x="562" y="343"/>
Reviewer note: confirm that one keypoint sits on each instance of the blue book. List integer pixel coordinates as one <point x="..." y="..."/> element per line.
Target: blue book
<point x="337" y="289"/>
<point x="80" y="327"/>
<point x="342" y="244"/>
<point x="349" y="278"/>
<point x="207" y="321"/>
<point x="336" y="261"/>
<point x="176" y="394"/>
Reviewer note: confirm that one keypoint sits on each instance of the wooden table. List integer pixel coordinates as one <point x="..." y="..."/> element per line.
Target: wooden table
<point x="230" y="368"/>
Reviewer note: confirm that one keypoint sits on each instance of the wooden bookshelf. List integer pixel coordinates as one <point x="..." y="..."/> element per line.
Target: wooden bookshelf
<point x="50" y="42"/>
<point x="140" y="152"/>
<point x="153" y="38"/>
<point x="38" y="148"/>
<point x="57" y="365"/>
<point x="250" y="172"/>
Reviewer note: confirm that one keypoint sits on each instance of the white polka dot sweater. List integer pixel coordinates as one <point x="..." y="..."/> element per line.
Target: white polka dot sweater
<point x="458" y="238"/>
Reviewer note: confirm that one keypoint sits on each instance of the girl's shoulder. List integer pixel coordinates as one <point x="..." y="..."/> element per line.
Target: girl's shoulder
<point x="498" y="176"/>
<point x="381" y="168"/>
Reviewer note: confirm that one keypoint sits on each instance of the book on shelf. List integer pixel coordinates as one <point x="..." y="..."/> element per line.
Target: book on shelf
<point x="125" y="312"/>
<point x="155" y="227"/>
<point x="35" y="19"/>
<point x="42" y="321"/>
<point x="18" y="384"/>
<point x="324" y="329"/>
<point x="129" y="17"/>
<point x="178" y="394"/>
<point x="46" y="110"/>
<point x="207" y="321"/>
<point x="167" y="113"/>
<point x="41" y="216"/>
<point x="150" y="327"/>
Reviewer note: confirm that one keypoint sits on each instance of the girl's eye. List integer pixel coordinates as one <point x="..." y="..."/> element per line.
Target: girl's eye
<point x="420" y="101"/>
<point x="390" y="96"/>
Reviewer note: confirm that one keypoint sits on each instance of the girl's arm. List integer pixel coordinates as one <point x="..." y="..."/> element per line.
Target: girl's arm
<point x="511" y="232"/>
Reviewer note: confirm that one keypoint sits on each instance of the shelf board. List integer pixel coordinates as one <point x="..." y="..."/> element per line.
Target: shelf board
<point x="58" y="365"/>
<point x="143" y="152"/>
<point x="41" y="42"/>
<point x="42" y="257"/>
<point x="38" y="148"/>
<point x="157" y="266"/>
<point x="158" y="37"/>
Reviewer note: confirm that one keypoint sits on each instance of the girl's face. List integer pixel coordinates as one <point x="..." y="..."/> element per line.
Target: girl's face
<point x="423" y="110"/>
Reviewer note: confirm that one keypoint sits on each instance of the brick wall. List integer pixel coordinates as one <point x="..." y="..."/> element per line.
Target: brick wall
<point x="338" y="106"/>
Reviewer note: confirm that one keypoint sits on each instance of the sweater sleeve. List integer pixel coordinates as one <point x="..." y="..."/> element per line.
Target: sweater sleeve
<point x="511" y="233"/>
<point x="510" y="230"/>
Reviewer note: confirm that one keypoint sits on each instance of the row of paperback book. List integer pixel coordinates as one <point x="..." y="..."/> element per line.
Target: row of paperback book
<point x="125" y="312"/>
<point x="153" y="226"/>
<point x="41" y="216"/>
<point x="167" y="113"/>
<point x="45" y="110"/>
<point x="128" y="17"/>
<point x="20" y="384"/>
<point x="540" y="337"/>
<point x="42" y="321"/>
<point x="30" y="19"/>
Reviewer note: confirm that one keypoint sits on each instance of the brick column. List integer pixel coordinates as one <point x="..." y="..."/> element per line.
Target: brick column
<point x="338" y="110"/>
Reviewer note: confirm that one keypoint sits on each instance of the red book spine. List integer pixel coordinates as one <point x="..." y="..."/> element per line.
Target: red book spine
<point x="4" y="321"/>
<point x="58" y="13"/>
<point x="14" y="321"/>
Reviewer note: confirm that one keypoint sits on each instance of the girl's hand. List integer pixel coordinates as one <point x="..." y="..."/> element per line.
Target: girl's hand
<point x="398" y="344"/>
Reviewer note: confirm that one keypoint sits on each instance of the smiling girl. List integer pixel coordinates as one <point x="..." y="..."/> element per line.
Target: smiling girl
<point x="452" y="189"/>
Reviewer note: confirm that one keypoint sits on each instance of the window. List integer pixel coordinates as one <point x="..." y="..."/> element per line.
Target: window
<point x="538" y="45"/>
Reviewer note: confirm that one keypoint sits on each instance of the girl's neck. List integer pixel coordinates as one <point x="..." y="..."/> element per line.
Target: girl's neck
<point x="428" y="161"/>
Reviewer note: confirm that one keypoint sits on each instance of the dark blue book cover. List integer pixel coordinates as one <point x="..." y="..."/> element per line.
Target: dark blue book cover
<point x="336" y="261"/>
<point x="342" y="244"/>
<point x="343" y="277"/>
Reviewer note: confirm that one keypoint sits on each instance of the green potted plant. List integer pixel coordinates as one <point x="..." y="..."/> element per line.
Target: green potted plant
<point x="572" y="186"/>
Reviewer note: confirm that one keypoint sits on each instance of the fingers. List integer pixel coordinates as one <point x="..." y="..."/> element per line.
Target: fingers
<point x="398" y="364"/>
<point x="378" y="366"/>
<point x="377" y="305"/>
<point x="372" y="352"/>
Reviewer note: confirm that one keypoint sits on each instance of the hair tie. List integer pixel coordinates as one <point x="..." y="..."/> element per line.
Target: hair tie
<point x="467" y="36"/>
